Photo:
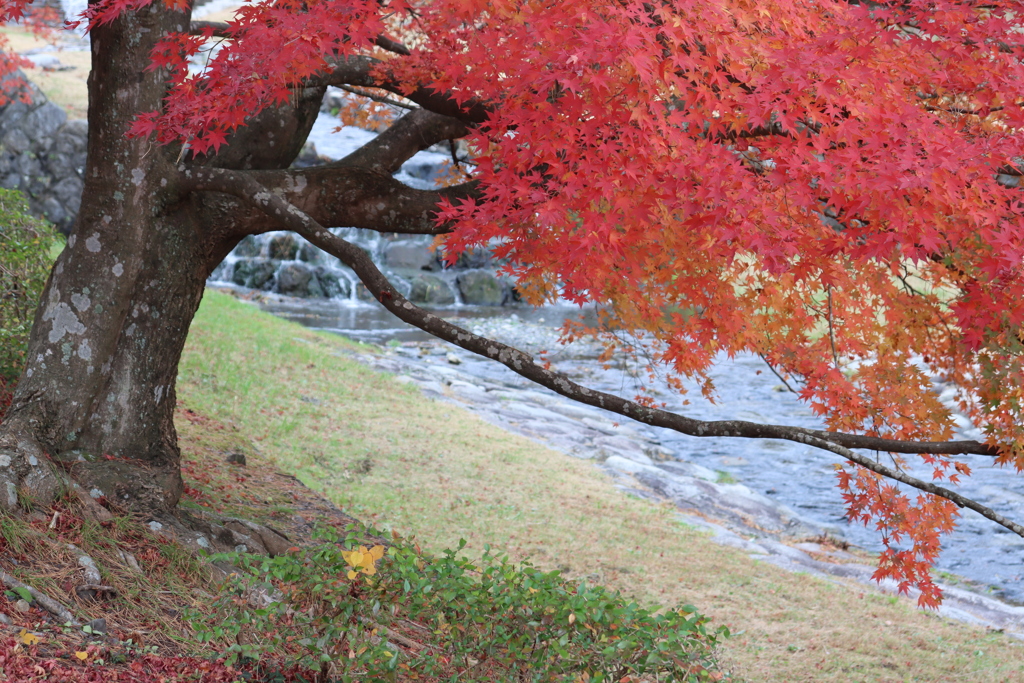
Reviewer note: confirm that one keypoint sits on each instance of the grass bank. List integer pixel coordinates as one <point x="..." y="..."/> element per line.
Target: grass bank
<point x="389" y="456"/>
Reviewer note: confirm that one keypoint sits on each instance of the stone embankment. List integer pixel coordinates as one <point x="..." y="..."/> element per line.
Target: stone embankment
<point x="732" y="513"/>
<point x="285" y="264"/>
<point x="43" y="155"/>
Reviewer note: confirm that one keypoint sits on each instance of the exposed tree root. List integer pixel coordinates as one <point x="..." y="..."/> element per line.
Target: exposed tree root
<point x="49" y="604"/>
<point x="92" y="589"/>
<point x="130" y="561"/>
<point x="92" y="509"/>
<point x="92" y="572"/>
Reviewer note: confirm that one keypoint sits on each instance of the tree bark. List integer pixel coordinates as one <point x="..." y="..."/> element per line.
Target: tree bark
<point x="97" y="395"/>
<point x="96" y="400"/>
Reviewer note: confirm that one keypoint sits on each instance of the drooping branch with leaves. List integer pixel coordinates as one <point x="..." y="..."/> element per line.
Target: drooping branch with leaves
<point x="831" y="186"/>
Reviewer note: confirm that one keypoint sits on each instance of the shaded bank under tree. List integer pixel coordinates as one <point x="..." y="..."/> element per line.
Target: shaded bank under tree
<point x="735" y="163"/>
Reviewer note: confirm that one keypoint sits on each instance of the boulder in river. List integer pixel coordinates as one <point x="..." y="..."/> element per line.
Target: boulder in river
<point x="309" y="157"/>
<point x="282" y="247"/>
<point x="296" y="279"/>
<point x="411" y="254"/>
<point x="430" y="289"/>
<point x="309" y="253"/>
<point x="474" y="257"/>
<point x="254" y="273"/>
<point x="333" y="287"/>
<point x="481" y="288"/>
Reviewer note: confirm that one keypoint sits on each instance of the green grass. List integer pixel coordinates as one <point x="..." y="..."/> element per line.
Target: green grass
<point x="396" y="459"/>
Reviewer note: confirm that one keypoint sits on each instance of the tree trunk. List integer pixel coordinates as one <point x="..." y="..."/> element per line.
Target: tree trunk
<point x="97" y="397"/>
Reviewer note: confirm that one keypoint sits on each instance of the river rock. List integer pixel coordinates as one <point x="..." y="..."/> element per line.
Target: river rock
<point x="474" y="257"/>
<point x="309" y="253"/>
<point x="689" y="469"/>
<point x="333" y="287"/>
<point x="363" y="294"/>
<point x="630" y="449"/>
<point x="296" y="279"/>
<point x="309" y="157"/>
<point x="254" y="273"/>
<point x="734" y="503"/>
<point x="426" y="169"/>
<point x="411" y="254"/>
<point x="430" y="289"/>
<point x="480" y="288"/>
<point x="282" y="247"/>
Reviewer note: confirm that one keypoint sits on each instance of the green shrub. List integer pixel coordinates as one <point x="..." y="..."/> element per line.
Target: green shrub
<point x="26" y="244"/>
<point x="452" y="619"/>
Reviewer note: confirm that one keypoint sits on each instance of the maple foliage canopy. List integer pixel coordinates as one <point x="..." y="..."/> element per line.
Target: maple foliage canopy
<point x="829" y="184"/>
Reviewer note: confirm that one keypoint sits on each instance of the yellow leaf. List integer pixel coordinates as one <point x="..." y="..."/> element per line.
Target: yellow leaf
<point x="352" y="574"/>
<point x="28" y="638"/>
<point x="572" y="618"/>
<point x="83" y="655"/>
<point x="377" y="552"/>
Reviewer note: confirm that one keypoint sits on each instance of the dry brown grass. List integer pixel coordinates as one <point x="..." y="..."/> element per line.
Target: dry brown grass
<point x="391" y="457"/>
<point x="145" y="612"/>
<point x="147" y="605"/>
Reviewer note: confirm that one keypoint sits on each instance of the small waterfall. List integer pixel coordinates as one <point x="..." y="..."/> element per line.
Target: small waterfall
<point x="285" y="264"/>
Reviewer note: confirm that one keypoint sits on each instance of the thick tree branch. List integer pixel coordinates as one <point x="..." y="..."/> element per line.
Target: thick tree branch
<point x="272" y="138"/>
<point x="292" y="218"/>
<point x="363" y="72"/>
<point x="385" y="43"/>
<point x="378" y="98"/>
<point x="347" y="196"/>
<point x="219" y="29"/>
<point x="415" y="131"/>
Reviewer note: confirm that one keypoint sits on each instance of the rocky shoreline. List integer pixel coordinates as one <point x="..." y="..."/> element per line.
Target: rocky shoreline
<point x="733" y="514"/>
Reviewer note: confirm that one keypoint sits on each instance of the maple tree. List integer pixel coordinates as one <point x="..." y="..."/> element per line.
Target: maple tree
<point x="831" y="185"/>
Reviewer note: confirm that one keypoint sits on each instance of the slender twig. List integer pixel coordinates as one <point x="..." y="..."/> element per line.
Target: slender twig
<point x="776" y="373"/>
<point x="831" y="332"/>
